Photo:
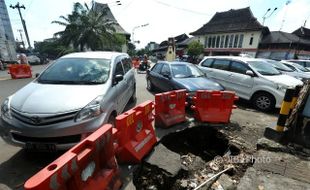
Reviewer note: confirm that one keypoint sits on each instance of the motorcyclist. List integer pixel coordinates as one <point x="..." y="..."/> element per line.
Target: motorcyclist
<point x="146" y="64"/>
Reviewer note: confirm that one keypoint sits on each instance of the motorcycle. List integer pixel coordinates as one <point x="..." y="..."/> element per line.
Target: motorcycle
<point x="143" y="67"/>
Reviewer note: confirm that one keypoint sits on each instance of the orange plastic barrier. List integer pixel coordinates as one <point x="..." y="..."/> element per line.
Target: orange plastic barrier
<point x="213" y="106"/>
<point x="170" y="108"/>
<point x="90" y="165"/>
<point x="135" y="133"/>
<point x="18" y="71"/>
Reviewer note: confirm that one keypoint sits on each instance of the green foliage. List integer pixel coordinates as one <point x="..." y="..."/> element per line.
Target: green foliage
<point x="90" y="29"/>
<point x="131" y="49"/>
<point x="53" y="49"/>
<point x="195" y="49"/>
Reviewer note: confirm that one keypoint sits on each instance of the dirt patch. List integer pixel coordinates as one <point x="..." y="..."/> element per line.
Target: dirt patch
<point x="204" y="152"/>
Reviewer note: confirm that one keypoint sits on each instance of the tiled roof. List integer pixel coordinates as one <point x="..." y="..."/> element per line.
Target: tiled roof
<point x="279" y="37"/>
<point x="100" y="7"/>
<point x="302" y="32"/>
<point x="230" y="21"/>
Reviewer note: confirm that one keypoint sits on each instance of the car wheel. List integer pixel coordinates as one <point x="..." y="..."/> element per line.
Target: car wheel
<point x="149" y="85"/>
<point x="264" y="101"/>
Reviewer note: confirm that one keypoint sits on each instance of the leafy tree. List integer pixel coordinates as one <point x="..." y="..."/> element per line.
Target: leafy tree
<point x="87" y="28"/>
<point x="194" y="49"/>
<point x="53" y="49"/>
<point x="131" y="49"/>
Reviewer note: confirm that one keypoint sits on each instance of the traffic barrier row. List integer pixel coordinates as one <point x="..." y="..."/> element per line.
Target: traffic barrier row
<point x="170" y="108"/>
<point x="135" y="133"/>
<point x="18" y="71"/>
<point x="89" y="165"/>
<point x="213" y="106"/>
<point x="92" y="164"/>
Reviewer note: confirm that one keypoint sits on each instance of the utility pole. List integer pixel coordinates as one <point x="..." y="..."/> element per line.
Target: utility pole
<point x="18" y="7"/>
<point x="21" y="36"/>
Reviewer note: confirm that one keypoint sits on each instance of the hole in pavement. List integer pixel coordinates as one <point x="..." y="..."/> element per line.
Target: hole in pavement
<point x="197" y="147"/>
<point x="205" y="142"/>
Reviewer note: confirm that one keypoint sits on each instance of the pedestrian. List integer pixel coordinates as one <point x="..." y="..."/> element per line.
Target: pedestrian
<point x="22" y="59"/>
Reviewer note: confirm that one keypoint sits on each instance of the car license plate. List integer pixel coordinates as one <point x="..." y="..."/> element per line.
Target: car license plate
<point x="41" y="147"/>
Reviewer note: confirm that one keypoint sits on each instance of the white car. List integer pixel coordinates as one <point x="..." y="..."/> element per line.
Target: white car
<point x="296" y="67"/>
<point x="33" y="59"/>
<point x="250" y="78"/>
<point x="72" y="98"/>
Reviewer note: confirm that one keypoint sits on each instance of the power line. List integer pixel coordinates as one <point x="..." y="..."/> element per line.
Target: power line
<point x="180" y="8"/>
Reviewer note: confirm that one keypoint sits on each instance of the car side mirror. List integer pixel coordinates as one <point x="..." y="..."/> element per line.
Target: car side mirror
<point x="167" y="75"/>
<point x="250" y="73"/>
<point x="118" y="78"/>
<point x="37" y="75"/>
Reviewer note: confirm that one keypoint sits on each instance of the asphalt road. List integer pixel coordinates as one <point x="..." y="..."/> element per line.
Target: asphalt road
<point x="16" y="166"/>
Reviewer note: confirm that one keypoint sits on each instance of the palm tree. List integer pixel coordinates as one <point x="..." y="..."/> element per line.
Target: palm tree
<point x="87" y="28"/>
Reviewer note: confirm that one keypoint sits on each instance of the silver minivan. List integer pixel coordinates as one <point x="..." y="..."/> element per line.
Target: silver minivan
<point x="250" y="78"/>
<point x="72" y="98"/>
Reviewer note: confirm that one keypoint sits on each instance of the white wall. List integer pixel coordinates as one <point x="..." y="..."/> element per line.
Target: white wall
<point x="246" y="39"/>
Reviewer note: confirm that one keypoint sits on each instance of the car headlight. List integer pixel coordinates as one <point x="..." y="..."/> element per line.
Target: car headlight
<point x="91" y="110"/>
<point x="5" y="109"/>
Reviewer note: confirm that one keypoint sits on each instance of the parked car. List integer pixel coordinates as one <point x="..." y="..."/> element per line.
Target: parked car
<point x="296" y="67"/>
<point x="304" y="63"/>
<point x="167" y="76"/>
<point x="250" y="78"/>
<point x="33" y="60"/>
<point x="286" y="70"/>
<point x="72" y="98"/>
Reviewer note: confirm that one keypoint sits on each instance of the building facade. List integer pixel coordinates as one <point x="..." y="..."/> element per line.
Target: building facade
<point x="231" y="32"/>
<point x="7" y="41"/>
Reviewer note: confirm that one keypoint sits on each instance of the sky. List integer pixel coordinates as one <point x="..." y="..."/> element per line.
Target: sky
<point x="165" y="18"/>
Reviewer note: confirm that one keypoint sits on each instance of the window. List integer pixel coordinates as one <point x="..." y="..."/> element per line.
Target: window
<point x="207" y="63"/>
<point x="251" y="41"/>
<point x="119" y="69"/>
<point x="238" y="67"/>
<point x="231" y="40"/>
<point x="226" y="41"/>
<point x="222" y="41"/>
<point x="209" y="42"/>
<point x="213" y="41"/>
<point x="165" y="70"/>
<point x="221" y="64"/>
<point x="236" y="40"/>
<point x="126" y="64"/>
<point x="217" y="41"/>
<point x="77" y="71"/>
<point x="157" y="68"/>
<point x="206" y="42"/>
<point x="240" y="41"/>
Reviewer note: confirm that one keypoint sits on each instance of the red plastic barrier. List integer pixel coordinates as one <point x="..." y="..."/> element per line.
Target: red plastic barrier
<point x="89" y="165"/>
<point x="18" y="71"/>
<point x="170" y="108"/>
<point x="135" y="133"/>
<point x="213" y="106"/>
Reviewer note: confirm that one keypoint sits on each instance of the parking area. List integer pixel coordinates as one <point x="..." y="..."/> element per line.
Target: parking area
<point x="247" y="126"/>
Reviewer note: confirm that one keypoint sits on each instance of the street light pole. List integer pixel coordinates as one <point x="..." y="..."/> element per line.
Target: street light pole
<point x="18" y="7"/>
<point x="264" y="17"/>
<point x="133" y="31"/>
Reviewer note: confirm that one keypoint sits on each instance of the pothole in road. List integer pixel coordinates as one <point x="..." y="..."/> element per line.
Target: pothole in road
<point x="196" y="149"/>
<point x="205" y="142"/>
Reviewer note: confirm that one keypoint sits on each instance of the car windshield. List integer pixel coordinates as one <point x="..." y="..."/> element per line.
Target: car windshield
<point x="264" y="68"/>
<point x="303" y="69"/>
<point x="280" y="66"/>
<point x="185" y="71"/>
<point x="77" y="71"/>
